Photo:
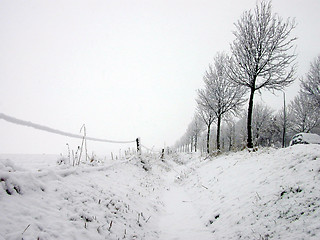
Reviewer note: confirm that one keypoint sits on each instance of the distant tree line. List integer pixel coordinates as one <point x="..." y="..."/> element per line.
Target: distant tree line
<point x="262" y="57"/>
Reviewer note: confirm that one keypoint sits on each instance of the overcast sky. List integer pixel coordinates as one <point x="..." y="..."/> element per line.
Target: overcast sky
<point x="126" y="69"/>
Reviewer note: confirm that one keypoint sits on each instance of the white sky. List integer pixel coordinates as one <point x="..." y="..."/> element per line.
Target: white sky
<point x="126" y="69"/>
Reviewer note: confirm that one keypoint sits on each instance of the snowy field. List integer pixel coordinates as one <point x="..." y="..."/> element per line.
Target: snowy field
<point x="269" y="194"/>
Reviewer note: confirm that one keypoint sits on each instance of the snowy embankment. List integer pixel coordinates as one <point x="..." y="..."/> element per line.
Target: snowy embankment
<point x="269" y="194"/>
<point x="107" y="201"/>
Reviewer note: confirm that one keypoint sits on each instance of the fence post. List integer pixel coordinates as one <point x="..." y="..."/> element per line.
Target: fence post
<point x="162" y="154"/>
<point x="138" y="146"/>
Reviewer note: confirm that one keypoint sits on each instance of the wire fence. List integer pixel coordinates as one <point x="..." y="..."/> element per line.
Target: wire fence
<point x="63" y="133"/>
<point x="55" y="131"/>
<point x="150" y="149"/>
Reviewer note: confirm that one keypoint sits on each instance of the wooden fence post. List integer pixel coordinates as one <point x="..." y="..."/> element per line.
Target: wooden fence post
<point x="138" y="146"/>
<point x="162" y="153"/>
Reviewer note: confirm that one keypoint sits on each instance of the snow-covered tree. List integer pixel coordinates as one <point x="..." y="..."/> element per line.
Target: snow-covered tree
<point x="303" y="113"/>
<point x="205" y="113"/>
<point x="223" y="96"/>
<point x="189" y="141"/>
<point x="262" y="55"/>
<point x="266" y="128"/>
<point x="262" y="118"/>
<point x="311" y="85"/>
<point x="183" y="143"/>
<point x="230" y="129"/>
<point x="197" y="127"/>
<point x="189" y="136"/>
<point x="193" y="132"/>
<point x="240" y="132"/>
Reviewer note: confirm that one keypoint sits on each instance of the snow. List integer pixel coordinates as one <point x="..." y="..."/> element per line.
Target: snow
<point x="262" y="195"/>
<point x="84" y="202"/>
<point x="181" y="220"/>
<point x="268" y="194"/>
<point x="32" y="161"/>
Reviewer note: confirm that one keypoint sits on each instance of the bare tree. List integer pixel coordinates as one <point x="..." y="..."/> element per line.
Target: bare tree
<point x="262" y="54"/>
<point x="183" y="143"/>
<point x="193" y="132"/>
<point x="189" y="140"/>
<point x="197" y="126"/>
<point x="311" y="85"/>
<point x="240" y="132"/>
<point x="205" y="113"/>
<point x="262" y="115"/>
<point x="303" y="114"/>
<point x="265" y="126"/>
<point x="224" y="97"/>
<point x="189" y="136"/>
<point x="230" y="133"/>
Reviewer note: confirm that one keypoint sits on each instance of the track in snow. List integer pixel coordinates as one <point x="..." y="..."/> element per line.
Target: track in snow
<point x="181" y="221"/>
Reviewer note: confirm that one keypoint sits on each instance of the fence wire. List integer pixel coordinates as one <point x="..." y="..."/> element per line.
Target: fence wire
<point x="55" y="131"/>
<point x="150" y="149"/>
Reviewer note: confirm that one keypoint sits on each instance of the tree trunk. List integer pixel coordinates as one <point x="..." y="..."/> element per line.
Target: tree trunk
<point x="208" y="139"/>
<point x="218" y="132"/>
<point x="195" y="142"/>
<point x="249" y="122"/>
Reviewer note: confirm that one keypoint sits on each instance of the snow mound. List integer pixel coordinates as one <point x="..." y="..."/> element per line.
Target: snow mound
<point x="15" y="180"/>
<point x="6" y="165"/>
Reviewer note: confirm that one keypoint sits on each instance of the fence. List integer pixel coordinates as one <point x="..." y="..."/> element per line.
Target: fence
<point x="56" y="131"/>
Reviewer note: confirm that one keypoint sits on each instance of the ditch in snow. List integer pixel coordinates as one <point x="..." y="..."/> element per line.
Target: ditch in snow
<point x="269" y="194"/>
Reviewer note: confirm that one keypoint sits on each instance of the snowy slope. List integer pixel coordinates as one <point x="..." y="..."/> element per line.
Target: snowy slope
<point x="269" y="194"/>
<point x="112" y="201"/>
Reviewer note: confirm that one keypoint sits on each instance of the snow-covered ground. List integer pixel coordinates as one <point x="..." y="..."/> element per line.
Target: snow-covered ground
<point x="104" y="201"/>
<point x="269" y="194"/>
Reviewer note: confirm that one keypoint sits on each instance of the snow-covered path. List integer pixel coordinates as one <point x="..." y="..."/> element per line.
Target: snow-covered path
<point x="181" y="220"/>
